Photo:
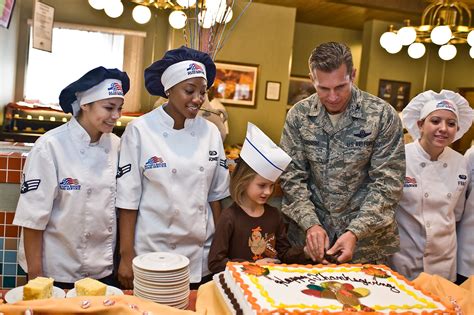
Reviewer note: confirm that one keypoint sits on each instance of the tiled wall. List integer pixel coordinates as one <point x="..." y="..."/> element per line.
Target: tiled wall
<point x="12" y="275"/>
<point x="11" y="165"/>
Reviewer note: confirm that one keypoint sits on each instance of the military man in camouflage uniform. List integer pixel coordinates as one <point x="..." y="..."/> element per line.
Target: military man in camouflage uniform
<point x="346" y="177"/>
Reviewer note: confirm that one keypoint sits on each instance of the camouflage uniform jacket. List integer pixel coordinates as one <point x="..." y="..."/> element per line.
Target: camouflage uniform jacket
<point x="345" y="178"/>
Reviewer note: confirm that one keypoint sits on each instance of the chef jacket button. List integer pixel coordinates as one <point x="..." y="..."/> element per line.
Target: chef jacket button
<point x="449" y="195"/>
<point x="106" y="150"/>
<point x="426" y="195"/>
<point x="110" y="229"/>
<point x="87" y="235"/>
<point x="423" y="164"/>
<point x="445" y="164"/>
<point x="201" y="169"/>
<point x="174" y="171"/>
<point x="82" y="151"/>
<point x="165" y="134"/>
<point x="112" y="189"/>
<point x="201" y="208"/>
<point x="428" y="224"/>
<point x="89" y="191"/>
<point x="193" y="133"/>
<point x="173" y="246"/>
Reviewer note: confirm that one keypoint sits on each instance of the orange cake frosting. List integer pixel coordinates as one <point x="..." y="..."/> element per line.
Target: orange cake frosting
<point x="323" y="289"/>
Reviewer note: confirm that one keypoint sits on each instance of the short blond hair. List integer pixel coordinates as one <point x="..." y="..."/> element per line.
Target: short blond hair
<point x="240" y="179"/>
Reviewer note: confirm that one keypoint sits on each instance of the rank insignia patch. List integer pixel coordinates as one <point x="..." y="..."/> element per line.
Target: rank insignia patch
<point x="29" y="185"/>
<point x="123" y="170"/>
<point x="223" y="163"/>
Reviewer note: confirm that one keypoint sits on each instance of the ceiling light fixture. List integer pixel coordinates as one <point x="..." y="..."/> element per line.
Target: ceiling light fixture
<point x="204" y="22"/>
<point x="444" y="22"/>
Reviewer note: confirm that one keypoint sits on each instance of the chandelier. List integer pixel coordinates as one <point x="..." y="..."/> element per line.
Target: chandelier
<point x="203" y="21"/>
<point x="445" y="23"/>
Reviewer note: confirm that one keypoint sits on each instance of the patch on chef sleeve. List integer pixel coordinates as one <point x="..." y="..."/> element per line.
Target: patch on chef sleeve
<point x="223" y="163"/>
<point x="29" y="185"/>
<point x="123" y="170"/>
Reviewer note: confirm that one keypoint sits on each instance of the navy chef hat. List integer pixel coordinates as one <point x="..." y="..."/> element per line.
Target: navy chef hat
<point x="98" y="84"/>
<point x="176" y="66"/>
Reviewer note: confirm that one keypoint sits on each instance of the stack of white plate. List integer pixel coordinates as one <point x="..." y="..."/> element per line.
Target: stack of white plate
<point x="163" y="278"/>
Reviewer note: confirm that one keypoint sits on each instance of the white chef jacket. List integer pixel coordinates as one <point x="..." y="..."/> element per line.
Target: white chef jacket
<point x="68" y="191"/>
<point x="170" y="176"/>
<point x="432" y="201"/>
<point x="465" y="227"/>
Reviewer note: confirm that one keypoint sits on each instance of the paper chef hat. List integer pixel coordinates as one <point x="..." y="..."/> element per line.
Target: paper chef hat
<point x="263" y="155"/>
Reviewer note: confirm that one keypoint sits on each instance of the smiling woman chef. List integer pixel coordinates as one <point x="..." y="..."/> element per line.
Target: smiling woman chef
<point x="435" y="184"/>
<point x="67" y="200"/>
<point x="172" y="170"/>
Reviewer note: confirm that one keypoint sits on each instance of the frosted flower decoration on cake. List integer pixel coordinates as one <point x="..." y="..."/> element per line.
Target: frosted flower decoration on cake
<point x="372" y="271"/>
<point x="256" y="270"/>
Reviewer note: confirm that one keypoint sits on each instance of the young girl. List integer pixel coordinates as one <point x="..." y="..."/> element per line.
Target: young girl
<point x="67" y="201"/>
<point x="251" y="230"/>
<point x="435" y="185"/>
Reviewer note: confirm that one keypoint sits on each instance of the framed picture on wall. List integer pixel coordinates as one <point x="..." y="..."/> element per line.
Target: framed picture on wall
<point x="236" y="84"/>
<point x="299" y="88"/>
<point x="396" y="93"/>
<point x="6" y="12"/>
<point x="272" y="91"/>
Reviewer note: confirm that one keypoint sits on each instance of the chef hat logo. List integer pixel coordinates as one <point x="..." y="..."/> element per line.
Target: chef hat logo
<point x="115" y="88"/>
<point x="445" y="104"/>
<point x="263" y="155"/>
<point x="195" y="68"/>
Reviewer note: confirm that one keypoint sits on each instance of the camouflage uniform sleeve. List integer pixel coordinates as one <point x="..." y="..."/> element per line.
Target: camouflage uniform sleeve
<point x="296" y="202"/>
<point x="386" y="172"/>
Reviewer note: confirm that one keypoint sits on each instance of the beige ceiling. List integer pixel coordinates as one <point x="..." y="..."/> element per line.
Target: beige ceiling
<point x="353" y="13"/>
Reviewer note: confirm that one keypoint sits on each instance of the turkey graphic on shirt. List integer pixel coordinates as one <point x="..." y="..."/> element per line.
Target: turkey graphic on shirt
<point x="260" y="244"/>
